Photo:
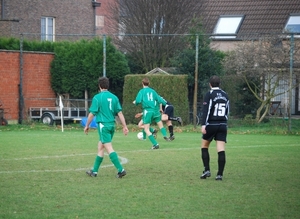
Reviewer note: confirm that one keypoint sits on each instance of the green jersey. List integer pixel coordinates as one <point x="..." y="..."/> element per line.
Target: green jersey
<point x="149" y="99"/>
<point x="105" y="106"/>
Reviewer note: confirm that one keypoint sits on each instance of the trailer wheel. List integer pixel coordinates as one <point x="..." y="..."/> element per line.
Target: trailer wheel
<point x="3" y="121"/>
<point x="47" y="119"/>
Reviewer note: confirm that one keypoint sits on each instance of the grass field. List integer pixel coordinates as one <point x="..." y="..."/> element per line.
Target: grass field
<point x="42" y="175"/>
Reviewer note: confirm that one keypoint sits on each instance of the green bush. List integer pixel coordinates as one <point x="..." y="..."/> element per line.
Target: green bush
<point x="172" y="87"/>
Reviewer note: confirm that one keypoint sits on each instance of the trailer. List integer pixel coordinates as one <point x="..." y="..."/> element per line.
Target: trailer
<point x="48" y="115"/>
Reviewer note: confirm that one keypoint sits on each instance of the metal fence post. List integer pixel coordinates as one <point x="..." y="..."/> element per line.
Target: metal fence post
<point x="104" y="55"/>
<point x="291" y="81"/>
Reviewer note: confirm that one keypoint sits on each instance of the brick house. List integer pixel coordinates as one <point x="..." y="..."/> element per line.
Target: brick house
<point x="54" y="19"/>
<point x="47" y="19"/>
<point x="51" y="20"/>
<point x="250" y="19"/>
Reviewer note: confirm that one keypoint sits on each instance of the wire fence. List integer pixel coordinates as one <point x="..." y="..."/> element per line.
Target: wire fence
<point x="285" y="100"/>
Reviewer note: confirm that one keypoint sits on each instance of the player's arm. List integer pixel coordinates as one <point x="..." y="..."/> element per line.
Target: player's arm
<point x="123" y="122"/>
<point x="205" y="112"/>
<point x="88" y="122"/>
<point x="138" y="115"/>
<point x="160" y="108"/>
<point x="93" y="111"/>
<point x="138" y="98"/>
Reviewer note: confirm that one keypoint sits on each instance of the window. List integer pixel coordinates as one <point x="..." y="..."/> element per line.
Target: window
<point x="47" y="29"/>
<point x="228" y="26"/>
<point x="99" y="21"/>
<point x="122" y="30"/>
<point x="293" y="24"/>
<point x="158" y="25"/>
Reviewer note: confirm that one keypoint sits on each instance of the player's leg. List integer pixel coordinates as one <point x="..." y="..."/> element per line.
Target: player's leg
<point x="171" y="129"/>
<point x="155" y="145"/>
<point x="170" y="112"/>
<point x="221" y="159"/>
<point x="164" y="117"/>
<point x="141" y="126"/>
<point x="158" y="120"/>
<point x="162" y="129"/>
<point x="108" y="133"/>
<point x="147" y="119"/>
<point x="98" y="160"/>
<point x="206" y="140"/>
<point x="152" y="130"/>
<point x="113" y="156"/>
<point x="221" y="141"/>
<point x="205" y="158"/>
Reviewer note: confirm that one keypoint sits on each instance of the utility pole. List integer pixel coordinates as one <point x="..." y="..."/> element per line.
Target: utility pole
<point x="196" y="83"/>
<point x="291" y="82"/>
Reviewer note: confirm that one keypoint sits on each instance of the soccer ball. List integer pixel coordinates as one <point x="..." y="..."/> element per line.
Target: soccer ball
<point x="140" y="135"/>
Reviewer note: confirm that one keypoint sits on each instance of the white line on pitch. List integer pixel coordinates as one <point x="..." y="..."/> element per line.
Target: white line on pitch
<point x="147" y="150"/>
<point x="123" y="161"/>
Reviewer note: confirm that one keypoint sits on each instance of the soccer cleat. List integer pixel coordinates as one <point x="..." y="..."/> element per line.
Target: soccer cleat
<point x="179" y="120"/>
<point x="167" y="139"/>
<point x="172" y="137"/>
<point x="155" y="147"/>
<point x="91" y="173"/>
<point x="154" y="133"/>
<point x="121" y="174"/>
<point x="219" y="177"/>
<point x="205" y="174"/>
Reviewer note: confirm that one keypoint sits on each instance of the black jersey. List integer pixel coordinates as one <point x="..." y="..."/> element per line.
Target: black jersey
<point x="215" y="107"/>
<point x="167" y="104"/>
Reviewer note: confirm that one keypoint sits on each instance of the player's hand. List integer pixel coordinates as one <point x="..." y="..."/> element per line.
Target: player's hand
<point x="203" y="129"/>
<point x="86" y="130"/>
<point x="125" y="130"/>
<point x="138" y="115"/>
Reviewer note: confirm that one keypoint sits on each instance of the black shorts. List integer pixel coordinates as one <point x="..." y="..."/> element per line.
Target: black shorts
<point x="169" y="110"/>
<point x="217" y="132"/>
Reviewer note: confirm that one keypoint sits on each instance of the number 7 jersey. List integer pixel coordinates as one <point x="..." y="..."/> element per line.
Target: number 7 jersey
<point x="215" y="107"/>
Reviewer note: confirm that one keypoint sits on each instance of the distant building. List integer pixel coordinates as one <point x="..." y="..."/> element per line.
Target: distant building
<point x="48" y="20"/>
<point x="230" y="22"/>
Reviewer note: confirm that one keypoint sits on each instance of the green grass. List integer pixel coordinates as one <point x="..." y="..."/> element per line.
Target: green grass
<point x="42" y="175"/>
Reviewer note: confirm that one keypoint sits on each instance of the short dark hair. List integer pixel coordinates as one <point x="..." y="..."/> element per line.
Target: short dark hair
<point x="214" y="81"/>
<point x="103" y="82"/>
<point x="145" y="81"/>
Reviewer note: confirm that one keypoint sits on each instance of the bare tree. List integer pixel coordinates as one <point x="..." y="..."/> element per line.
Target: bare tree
<point x="264" y="66"/>
<point x="151" y="30"/>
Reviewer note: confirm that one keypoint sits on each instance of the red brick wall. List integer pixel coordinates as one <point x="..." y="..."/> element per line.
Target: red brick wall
<point x="37" y="90"/>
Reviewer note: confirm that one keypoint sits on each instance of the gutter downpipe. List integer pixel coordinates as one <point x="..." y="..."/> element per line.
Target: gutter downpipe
<point x="21" y="98"/>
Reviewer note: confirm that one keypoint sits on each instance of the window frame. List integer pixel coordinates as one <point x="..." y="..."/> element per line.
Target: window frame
<point x="228" y="35"/>
<point x="288" y="22"/>
<point x="46" y="27"/>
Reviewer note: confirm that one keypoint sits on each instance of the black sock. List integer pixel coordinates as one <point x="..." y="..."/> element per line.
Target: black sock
<point x="173" y="118"/>
<point x="205" y="158"/>
<point x="221" y="162"/>
<point x="171" y="130"/>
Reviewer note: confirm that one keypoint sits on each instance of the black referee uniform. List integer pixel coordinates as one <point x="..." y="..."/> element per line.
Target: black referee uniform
<point x="215" y="114"/>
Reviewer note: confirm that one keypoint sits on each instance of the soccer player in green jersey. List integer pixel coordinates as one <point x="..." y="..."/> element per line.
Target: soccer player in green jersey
<point x="141" y="126"/>
<point x="150" y="100"/>
<point x="105" y="106"/>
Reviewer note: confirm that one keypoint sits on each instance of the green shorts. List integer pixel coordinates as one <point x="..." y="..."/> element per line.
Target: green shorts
<point x="151" y="116"/>
<point x="106" y="132"/>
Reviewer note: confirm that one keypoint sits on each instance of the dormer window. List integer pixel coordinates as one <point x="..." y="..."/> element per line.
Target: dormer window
<point x="293" y="24"/>
<point x="228" y="26"/>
